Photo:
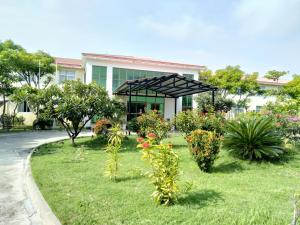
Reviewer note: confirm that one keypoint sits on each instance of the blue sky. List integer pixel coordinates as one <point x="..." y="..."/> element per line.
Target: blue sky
<point x="258" y="35"/>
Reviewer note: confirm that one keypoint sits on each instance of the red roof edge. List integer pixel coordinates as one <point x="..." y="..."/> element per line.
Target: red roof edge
<point x="133" y="59"/>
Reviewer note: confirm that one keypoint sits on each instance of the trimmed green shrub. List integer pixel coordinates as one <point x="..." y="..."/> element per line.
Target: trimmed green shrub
<point x="204" y="147"/>
<point x="165" y="169"/>
<point x="253" y="138"/>
<point x="189" y="121"/>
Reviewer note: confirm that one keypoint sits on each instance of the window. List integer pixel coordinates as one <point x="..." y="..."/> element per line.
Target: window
<point x="258" y="108"/>
<point x="187" y="101"/>
<point x="120" y="75"/>
<point x="99" y="75"/>
<point x="66" y="75"/>
<point x="23" y="107"/>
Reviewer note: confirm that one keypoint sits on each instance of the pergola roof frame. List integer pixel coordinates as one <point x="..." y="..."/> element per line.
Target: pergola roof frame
<point x="168" y="86"/>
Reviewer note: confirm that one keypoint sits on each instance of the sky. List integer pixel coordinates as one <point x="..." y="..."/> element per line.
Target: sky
<point x="258" y="35"/>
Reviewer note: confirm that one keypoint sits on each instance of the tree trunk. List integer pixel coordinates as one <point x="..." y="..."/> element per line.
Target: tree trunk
<point x="73" y="140"/>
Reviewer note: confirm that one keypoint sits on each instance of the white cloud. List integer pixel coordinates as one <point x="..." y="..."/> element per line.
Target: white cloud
<point x="274" y="17"/>
<point x="182" y="28"/>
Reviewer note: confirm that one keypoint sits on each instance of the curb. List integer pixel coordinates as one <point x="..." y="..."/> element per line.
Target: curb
<point x="36" y="205"/>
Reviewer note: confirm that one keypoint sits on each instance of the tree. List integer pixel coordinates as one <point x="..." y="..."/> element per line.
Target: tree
<point x="231" y="81"/>
<point x="33" y="68"/>
<point x="74" y="105"/>
<point x="292" y="88"/>
<point x="7" y="78"/>
<point x="275" y="75"/>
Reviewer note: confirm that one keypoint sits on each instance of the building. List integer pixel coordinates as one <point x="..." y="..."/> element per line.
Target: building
<point x="110" y="71"/>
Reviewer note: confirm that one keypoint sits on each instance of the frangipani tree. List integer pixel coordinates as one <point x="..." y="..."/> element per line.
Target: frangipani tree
<point x="74" y="105"/>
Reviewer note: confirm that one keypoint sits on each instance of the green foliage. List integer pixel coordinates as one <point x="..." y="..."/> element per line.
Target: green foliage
<point x="292" y="88"/>
<point x="222" y="104"/>
<point x="42" y="123"/>
<point x="232" y="80"/>
<point x="204" y="147"/>
<point x="189" y="121"/>
<point x="6" y="121"/>
<point x="275" y="75"/>
<point x="132" y="125"/>
<point x="165" y="169"/>
<point x="253" y="138"/>
<point x="34" y="69"/>
<point x="152" y="122"/>
<point x="113" y="147"/>
<point x="75" y="104"/>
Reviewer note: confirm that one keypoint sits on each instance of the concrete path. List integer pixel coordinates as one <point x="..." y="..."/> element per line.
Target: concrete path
<point x="17" y="204"/>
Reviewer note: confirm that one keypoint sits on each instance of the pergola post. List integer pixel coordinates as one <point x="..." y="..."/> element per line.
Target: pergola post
<point x="129" y="102"/>
<point x="213" y="97"/>
<point x="175" y="113"/>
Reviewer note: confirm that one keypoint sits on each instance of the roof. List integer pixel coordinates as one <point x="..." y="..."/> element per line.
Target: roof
<point x="262" y="80"/>
<point x="169" y="86"/>
<point x="137" y="60"/>
<point x="69" y="63"/>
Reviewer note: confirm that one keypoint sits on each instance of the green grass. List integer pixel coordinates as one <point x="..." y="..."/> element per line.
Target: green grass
<point x="236" y="192"/>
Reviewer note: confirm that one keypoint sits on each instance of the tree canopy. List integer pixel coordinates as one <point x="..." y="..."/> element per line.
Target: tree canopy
<point x="75" y="104"/>
<point x="231" y="80"/>
<point x="275" y="75"/>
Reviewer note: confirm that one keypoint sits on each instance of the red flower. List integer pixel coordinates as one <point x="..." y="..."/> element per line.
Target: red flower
<point x="146" y="145"/>
<point x="140" y="139"/>
<point x="151" y="135"/>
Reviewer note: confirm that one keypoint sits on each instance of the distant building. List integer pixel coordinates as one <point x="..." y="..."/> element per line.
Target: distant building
<point x="110" y="71"/>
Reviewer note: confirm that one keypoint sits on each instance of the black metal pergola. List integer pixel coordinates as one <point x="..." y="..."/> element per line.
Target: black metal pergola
<point x="167" y="86"/>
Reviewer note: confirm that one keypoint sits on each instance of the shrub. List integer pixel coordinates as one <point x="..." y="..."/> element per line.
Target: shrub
<point x="189" y="121"/>
<point x="152" y="122"/>
<point x="186" y="121"/>
<point x="165" y="169"/>
<point x="253" y="137"/>
<point x="19" y="120"/>
<point x="113" y="147"/>
<point x="132" y="125"/>
<point x="204" y="147"/>
<point x="6" y="121"/>
<point x="102" y="126"/>
<point x="42" y="123"/>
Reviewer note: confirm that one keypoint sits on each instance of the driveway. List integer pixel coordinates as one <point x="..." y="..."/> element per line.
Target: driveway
<point x="16" y="207"/>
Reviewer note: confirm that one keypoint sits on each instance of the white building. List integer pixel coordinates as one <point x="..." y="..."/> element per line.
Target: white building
<point x="110" y="71"/>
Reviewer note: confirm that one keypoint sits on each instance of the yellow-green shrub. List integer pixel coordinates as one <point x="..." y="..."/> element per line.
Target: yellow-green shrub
<point x="165" y="169"/>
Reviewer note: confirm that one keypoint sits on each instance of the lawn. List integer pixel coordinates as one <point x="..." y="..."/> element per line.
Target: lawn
<point x="236" y="192"/>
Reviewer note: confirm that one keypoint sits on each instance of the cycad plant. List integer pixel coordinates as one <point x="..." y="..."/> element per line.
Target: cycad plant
<point x="113" y="147"/>
<point x="253" y="138"/>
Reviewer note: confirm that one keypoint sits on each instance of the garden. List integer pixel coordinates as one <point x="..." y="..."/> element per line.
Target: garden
<point x="211" y="171"/>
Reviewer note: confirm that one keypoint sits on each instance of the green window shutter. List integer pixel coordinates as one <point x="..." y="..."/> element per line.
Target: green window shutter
<point x="99" y="75"/>
<point x="187" y="101"/>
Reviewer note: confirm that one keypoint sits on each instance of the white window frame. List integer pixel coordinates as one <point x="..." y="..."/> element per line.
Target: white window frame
<point x="64" y="75"/>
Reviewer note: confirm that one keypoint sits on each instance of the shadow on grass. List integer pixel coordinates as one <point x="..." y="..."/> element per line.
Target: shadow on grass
<point x="128" y="178"/>
<point x="201" y="199"/>
<point x="47" y="149"/>
<point x="228" y="167"/>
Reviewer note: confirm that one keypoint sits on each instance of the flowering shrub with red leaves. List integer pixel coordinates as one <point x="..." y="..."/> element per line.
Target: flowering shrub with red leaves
<point x="152" y="122"/>
<point x="165" y="169"/>
<point x="204" y="147"/>
<point x="101" y="126"/>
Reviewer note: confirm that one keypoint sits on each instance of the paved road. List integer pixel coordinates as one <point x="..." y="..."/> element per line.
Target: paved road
<point x="16" y="207"/>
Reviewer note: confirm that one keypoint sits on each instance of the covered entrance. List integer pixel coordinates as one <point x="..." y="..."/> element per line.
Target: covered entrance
<point x="167" y="86"/>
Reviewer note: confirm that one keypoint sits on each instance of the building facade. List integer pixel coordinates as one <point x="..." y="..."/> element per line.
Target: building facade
<point x="110" y="71"/>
